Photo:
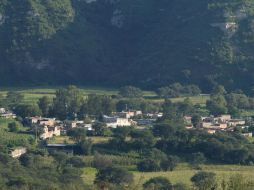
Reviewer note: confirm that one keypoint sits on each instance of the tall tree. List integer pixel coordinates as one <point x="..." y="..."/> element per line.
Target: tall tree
<point x="44" y="104"/>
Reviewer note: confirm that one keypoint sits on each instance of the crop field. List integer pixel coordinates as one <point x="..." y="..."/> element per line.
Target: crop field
<point x="182" y="174"/>
<point x="31" y="95"/>
<point x="7" y="137"/>
<point x="68" y="140"/>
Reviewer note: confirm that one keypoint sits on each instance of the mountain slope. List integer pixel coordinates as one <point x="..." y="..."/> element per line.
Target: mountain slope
<point x="115" y="42"/>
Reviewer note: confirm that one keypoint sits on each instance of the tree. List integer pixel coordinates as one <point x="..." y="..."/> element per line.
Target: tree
<point x="142" y="139"/>
<point x="78" y="134"/>
<point x="113" y="176"/>
<point x="67" y="102"/>
<point x="76" y="162"/>
<point x="101" y="161"/>
<point x="196" y="120"/>
<point x="217" y="105"/>
<point x="148" y="165"/>
<point x="24" y="110"/>
<point x="204" y="180"/>
<point x="197" y="159"/>
<point x="130" y="92"/>
<point x="44" y="104"/>
<point x="97" y="105"/>
<point x="169" y="164"/>
<point x="99" y="128"/>
<point x="219" y="90"/>
<point x="13" y="127"/>
<point x="85" y="146"/>
<point x="158" y="183"/>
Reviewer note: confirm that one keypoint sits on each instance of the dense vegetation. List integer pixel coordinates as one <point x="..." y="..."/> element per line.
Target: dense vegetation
<point x="151" y="43"/>
<point x="124" y="152"/>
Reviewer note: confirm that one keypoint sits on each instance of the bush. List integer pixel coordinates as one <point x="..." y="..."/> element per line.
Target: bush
<point x="169" y="164"/>
<point x="109" y="176"/>
<point x="158" y="183"/>
<point x="13" y="127"/>
<point x="148" y="165"/>
<point x="204" y="180"/>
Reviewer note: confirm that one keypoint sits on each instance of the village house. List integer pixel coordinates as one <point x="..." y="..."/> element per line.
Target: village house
<point x="7" y="114"/>
<point x="127" y="114"/>
<point x="236" y="122"/>
<point x="42" y="121"/>
<point x="50" y="131"/>
<point x="114" y="122"/>
<point x="79" y="124"/>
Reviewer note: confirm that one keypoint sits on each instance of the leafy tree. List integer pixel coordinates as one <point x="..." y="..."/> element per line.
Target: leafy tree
<point x="99" y="128"/>
<point x="24" y="110"/>
<point x="217" y="105"/>
<point x="204" y="180"/>
<point x="158" y="183"/>
<point x="13" y="127"/>
<point x="219" y="90"/>
<point x="68" y="102"/>
<point x="97" y="105"/>
<point x="44" y="104"/>
<point x="130" y="92"/>
<point x="197" y="159"/>
<point x="148" y="165"/>
<point x="113" y="176"/>
<point x="85" y="146"/>
<point x="142" y="140"/>
<point x="196" y="120"/>
<point x="101" y="161"/>
<point x="169" y="164"/>
<point x="76" y="162"/>
<point x="78" y="134"/>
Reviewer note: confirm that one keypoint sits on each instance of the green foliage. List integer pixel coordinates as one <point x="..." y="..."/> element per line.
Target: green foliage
<point x="176" y="90"/>
<point x="10" y="139"/>
<point x="78" y="134"/>
<point x="158" y="183"/>
<point x="44" y="47"/>
<point x="130" y="92"/>
<point x="68" y="102"/>
<point x="117" y="177"/>
<point x="13" y="98"/>
<point x="97" y="105"/>
<point x="44" y="104"/>
<point x="13" y="127"/>
<point x="27" y="110"/>
<point x="204" y="180"/>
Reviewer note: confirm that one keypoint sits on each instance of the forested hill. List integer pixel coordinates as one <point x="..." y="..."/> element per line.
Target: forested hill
<point x="116" y="42"/>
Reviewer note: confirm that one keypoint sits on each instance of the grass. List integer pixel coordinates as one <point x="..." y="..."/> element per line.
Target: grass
<point x="182" y="174"/>
<point x="31" y="95"/>
<point x="11" y="138"/>
<point x="60" y="140"/>
<point x="66" y="139"/>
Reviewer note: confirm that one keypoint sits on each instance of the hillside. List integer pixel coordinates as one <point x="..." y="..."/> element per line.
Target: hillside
<point x="148" y="43"/>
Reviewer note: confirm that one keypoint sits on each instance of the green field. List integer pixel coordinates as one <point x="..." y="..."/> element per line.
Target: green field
<point x="182" y="174"/>
<point x="31" y="95"/>
<point x="13" y="139"/>
<point x="68" y="140"/>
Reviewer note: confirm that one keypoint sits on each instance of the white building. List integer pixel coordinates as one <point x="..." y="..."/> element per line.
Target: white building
<point x="115" y="122"/>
